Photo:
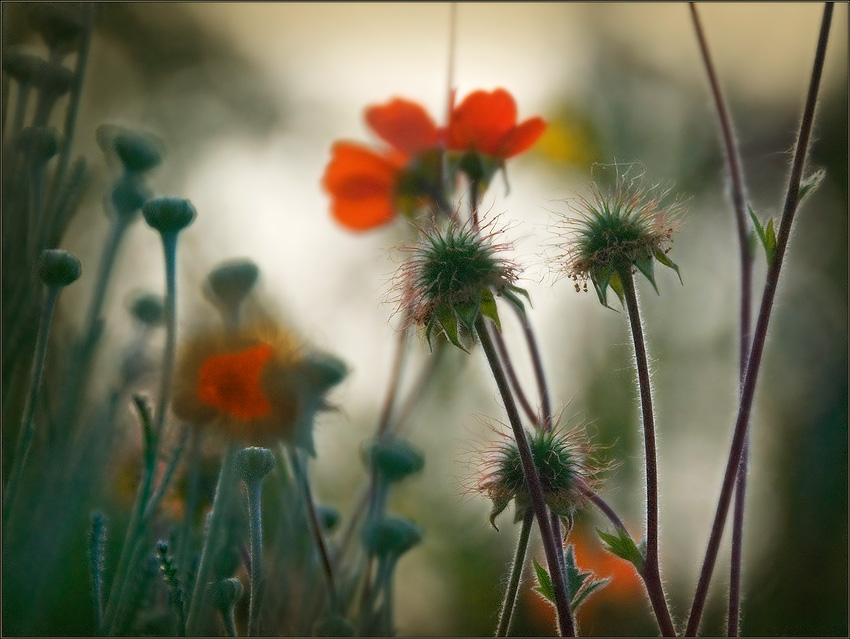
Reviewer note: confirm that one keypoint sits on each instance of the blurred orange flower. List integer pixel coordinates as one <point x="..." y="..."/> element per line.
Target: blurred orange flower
<point x="365" y="184"/>
<point x="487" y="122"/>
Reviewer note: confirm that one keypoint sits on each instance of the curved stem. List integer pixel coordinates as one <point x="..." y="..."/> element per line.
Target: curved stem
<point x="169" y="245"/>
<point x="760" y="333"/>
<point x="651" y="570"/>
<point x="27" y="429"/>
<point x="532" y="478"/>
<point x="512" y="378"/>
<point x="507" y="611"/>
<point x="746" y="262"/>
<point x="603" y="506"/>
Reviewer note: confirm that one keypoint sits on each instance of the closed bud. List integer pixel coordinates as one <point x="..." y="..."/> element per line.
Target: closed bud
<point x="22" y="66"/>
<point x="57" y="24"/>
<point x="391" y="536"/>
<point x="58" y="268"/>
<point x="393" y="458"/>
<point x="254" y="464"/>
<point x="230" y="282"/>
<point x="55" y="79"/>
<point x="147" y="308"/>
<point x="40" y="142"/>
<point x="129" y="195"/>
<point x="225" y="594"/>
<point x="168" y="214"/>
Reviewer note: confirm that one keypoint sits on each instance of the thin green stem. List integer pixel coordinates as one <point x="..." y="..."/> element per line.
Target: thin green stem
<point x="532" y="479"/>
<point x="169" y="245"/>
<point x="255" y="525"/>
<point x="226" y="479"/>
<point x="508" y="603"/>
<point x="27" y="430"/>
<point x="739" y="436"/>
<point x="651" y="570"/>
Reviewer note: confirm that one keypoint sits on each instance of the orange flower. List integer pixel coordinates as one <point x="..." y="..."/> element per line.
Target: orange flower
<point x="256" y="387"/>
<point x="366" y="185"/>
<point x="487" y="123"/>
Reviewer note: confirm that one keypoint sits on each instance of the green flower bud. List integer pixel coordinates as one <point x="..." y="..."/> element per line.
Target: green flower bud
<point x="254" y="463"/>
<point x="55" y="79"/>
<point x="328" y="516"/>
<point x="58" y="25"/>
<point x="22" y="66"/>
<point x="393" y="458"/>
<point x="225" y="594"/>
<point x="58" y="268"/>
<point x="148" y="308"/>
<point x="129" y="195"/>
<point x="40" y="143"/>
<point x="138" y="152"/>
<point x="230" y="282"/>
<point x="168" y="214"/>
<point x="391" y="536"/>
<point x="323" y="370"/>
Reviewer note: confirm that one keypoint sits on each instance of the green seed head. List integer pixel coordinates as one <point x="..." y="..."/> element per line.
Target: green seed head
<point x="225" y="594"/>
<point x="168" y="214"/>
<point x="40" y="143"/>
<point x="393" y="458"/>
<point x="147" y="308"/>
<point x="391" y="536"/>
<point x="58" y="268"/>
<point x="22" y="65"/>
<point x="620" y="228"/>
<point x="129" y="195"/>
<point x="254" y="464"/>
<point x="230" y="282"/>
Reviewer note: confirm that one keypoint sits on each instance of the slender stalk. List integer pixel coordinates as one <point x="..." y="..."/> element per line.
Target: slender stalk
<point x="315" y="526"/>
<point x="255" y="524"/>
<point x="550" y="543"/>
<point x="746" y="262"/>
<point x="739" y="436"/>
<point x="512" y="378"/>
<point x="604" y="508"/>
<point x="169" y="245"/>
<point x="27" y="430"/>
<point x="651" y="570"/>
<point x="508" y="603"/>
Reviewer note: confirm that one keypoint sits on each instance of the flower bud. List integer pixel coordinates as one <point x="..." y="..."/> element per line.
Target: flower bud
<point x="168" y="214"/>
<point x="230" y="282"/>
<point x="40" y="142"/>
<point x="391" y="536"/>
<point x="254" y="464"/>
<point x="137" y="152"/>
<point x="393" y="458"/>
<point x="55" y="79"/>
<point x="58" y="25"/>
<point x="58" y="268"/>
<point x="328" y="516"/>
<point x="225" y="594"/>
<point x="129" y="195"/>
<point x="323" y="370"/>
<point x="147" y="308"/>
<point x="22" y="66"/>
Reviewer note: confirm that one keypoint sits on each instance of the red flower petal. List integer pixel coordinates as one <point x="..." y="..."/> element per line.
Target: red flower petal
<point x="481" y="121"/>
<point x="231" y="382"/>
<point x="521" y="138"/>
<point x="361" y="183"/>
<point x="404" y="125"/>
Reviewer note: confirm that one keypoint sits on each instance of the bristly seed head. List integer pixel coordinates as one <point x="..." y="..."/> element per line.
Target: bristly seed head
<point x="451" y="278"/>
<point x="627" y="225"/>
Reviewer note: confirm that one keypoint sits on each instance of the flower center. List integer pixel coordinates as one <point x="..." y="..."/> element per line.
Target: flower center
<point x="231" y="382"/>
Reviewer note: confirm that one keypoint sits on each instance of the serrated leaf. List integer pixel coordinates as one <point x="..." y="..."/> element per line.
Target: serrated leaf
<point x="661" y="256"/>
<point x="544" y="582"/>
<point x="575" y="576"/>
<point x="488" y="308"/>
<point x="810" y="184"/>
<point x="448" y="321"/>
<point x="766" y="234"/>
<point x="646" y="265"/>
<point x="624" y="547"/>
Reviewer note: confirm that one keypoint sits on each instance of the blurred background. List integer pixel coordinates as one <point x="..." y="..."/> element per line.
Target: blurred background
<point x="248" y="98"/>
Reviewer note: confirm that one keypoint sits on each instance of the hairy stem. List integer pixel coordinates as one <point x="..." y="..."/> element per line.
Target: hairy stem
<point x="739" y="436"/>
<point x="507" y="610"/>
<point x="532" y="479"/>
<point x="651" y="570"/>
<point x="255" y="524"/>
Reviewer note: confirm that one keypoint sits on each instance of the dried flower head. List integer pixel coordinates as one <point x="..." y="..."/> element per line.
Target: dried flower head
<point x="627" y="225"/>
<point x="564" y="460"/>
<point x="255" y="385"/>
<point x="451" y="277"/>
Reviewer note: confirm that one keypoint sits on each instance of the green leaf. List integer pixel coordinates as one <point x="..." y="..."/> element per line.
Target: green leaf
<point x="810" y="184"/>
<point x="488" y="308"/>
<point x="467" y="313"/>
<point x="510" y="293"/>
<point x="646" y="265"/>
<point x="617" y="287"/>
<point x="544" y="582"/>
<point x="767" y="235"/>
<point x="624" y="547"/>
<point x="601" y="278"/>
<point x="448" y="321"/>
<point x="581" y="583"/>
<point x="661" y="256"/>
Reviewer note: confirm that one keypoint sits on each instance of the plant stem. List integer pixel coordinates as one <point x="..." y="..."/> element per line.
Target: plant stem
<point x="532" y="479"/>
<point x="603" y="506"/>
<point x="255" y="524"/>
<point x="199" y="592"/>
<point x="651" y="570"/>
<point x="27" y="429"/>
<point x="739" y="436"/>
<point x="746" y="262"/>
<point x="169" y="246"/>
<point x="508" y="603"/>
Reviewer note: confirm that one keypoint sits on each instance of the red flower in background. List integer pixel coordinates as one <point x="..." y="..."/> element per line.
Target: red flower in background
<point x="487" y="122"/>
<point x="363" y="183"/>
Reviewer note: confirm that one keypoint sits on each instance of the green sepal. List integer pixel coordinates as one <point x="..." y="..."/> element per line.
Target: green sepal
<point x="513" y="298"/>
<point x="581" y="583"/>
<point x="466" y="313"/>
<point x="617" y="286"/>
<point x="499" y="504"/>
<point x="766" y="234"/>
<point x="646" y="265"/>
<point x="544" y="582"/>
<point x="488" y="307"/>
<point x="661" y="256"/>
<point x="448" y="321"/>
<point x="601" y="277"/>
<point x="624" y="547"/>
